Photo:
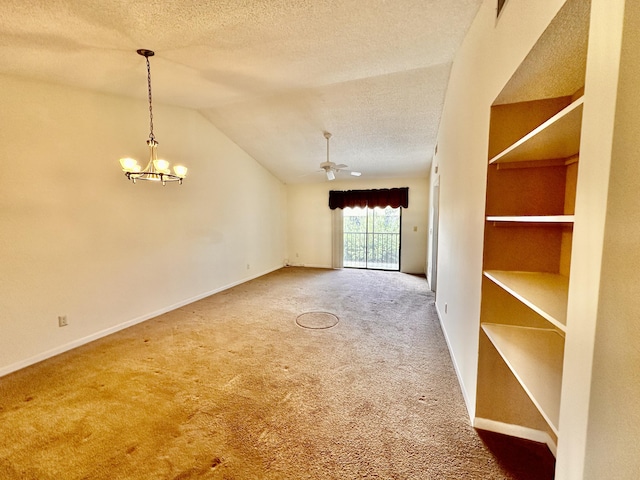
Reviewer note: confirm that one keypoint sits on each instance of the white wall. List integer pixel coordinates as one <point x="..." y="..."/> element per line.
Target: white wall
<point x="78" y="239"/>
<point x="309" y="217"/>
<point x="486" y="60"/>
<point x="614" y="417"/>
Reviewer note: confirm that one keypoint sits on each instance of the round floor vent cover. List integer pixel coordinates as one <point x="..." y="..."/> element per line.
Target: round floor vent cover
<point x="317" y="320"/>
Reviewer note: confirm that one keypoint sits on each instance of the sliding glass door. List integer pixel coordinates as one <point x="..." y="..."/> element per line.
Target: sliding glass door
<point x="372" y="238"/>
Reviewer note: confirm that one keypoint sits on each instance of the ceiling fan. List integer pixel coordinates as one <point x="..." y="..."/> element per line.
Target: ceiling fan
<point x="331" y="168"/>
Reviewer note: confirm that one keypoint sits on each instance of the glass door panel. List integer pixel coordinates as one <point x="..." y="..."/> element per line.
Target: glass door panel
<point x="372" y="238"/>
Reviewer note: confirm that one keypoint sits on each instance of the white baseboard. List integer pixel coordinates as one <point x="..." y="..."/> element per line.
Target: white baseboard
<point x="516" y="431"/>
<point x="306" y="265"/>
<point x="14" y="367"/>
<point x="467" y="400"/>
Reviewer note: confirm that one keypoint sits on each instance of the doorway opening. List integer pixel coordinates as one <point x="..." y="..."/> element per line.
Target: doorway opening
<point x="371" y="238"/>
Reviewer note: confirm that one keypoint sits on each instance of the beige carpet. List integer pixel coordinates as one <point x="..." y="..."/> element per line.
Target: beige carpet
<point x="232" y="387"/>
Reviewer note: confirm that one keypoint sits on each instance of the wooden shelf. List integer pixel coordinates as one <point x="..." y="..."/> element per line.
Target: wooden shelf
<point x="558" y="137"/>
<point x="544" y="293"/>
<point x="535" y="357"/>
<point x="546" y="219"/>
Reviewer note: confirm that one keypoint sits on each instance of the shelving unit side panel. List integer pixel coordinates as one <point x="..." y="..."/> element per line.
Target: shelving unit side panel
<point x="512" y="121"/>
<point x="571" y="184"/>
<point x="522" y="248"/>
<point x="566" y="245"/>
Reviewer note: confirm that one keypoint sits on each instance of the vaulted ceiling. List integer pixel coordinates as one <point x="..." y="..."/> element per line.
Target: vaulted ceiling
<point x="273" y="75"/>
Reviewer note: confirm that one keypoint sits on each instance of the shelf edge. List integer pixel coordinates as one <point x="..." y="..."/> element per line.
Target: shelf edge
<point x="532" y="218"/>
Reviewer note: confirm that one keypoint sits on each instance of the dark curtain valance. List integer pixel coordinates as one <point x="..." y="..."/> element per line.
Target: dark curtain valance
<point x="383" y="197"/>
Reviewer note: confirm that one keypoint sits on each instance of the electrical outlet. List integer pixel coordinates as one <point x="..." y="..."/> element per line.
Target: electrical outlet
<point x="248" y="266"/>
<point x="62" y="321"/>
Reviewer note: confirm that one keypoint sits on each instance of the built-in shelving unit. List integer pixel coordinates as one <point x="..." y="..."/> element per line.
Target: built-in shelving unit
<point x="532" y="167"/>
<point x="528" y="236"/>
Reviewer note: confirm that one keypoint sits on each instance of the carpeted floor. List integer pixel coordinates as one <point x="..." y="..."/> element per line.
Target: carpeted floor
<point x="232" y="387"/>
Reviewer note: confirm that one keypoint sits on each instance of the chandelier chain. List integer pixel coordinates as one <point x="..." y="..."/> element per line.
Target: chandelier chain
<point x="151" y="136"/>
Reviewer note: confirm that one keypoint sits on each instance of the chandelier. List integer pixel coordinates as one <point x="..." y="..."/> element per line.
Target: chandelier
<point x="157" y="170"/>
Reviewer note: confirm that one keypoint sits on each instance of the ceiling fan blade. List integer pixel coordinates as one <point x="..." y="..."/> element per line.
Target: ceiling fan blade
<point x="340" y="166"/>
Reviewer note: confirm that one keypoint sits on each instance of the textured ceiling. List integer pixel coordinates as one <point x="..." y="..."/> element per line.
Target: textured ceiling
<point x="272" y="75"/>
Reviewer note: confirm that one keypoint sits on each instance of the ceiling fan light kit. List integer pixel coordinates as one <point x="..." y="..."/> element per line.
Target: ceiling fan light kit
<point x="157" y="170"/>
<point x="330" y="168"/>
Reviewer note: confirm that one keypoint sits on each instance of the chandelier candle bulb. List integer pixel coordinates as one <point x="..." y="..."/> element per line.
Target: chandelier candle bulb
<point x="162" y="166"/>
<point x="180" y="171"/>
<point x="129" y="165"/>
<point x="157" y="170"/>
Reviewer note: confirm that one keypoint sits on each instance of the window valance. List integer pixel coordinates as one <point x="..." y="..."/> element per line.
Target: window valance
<point x="383" y="197"/>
